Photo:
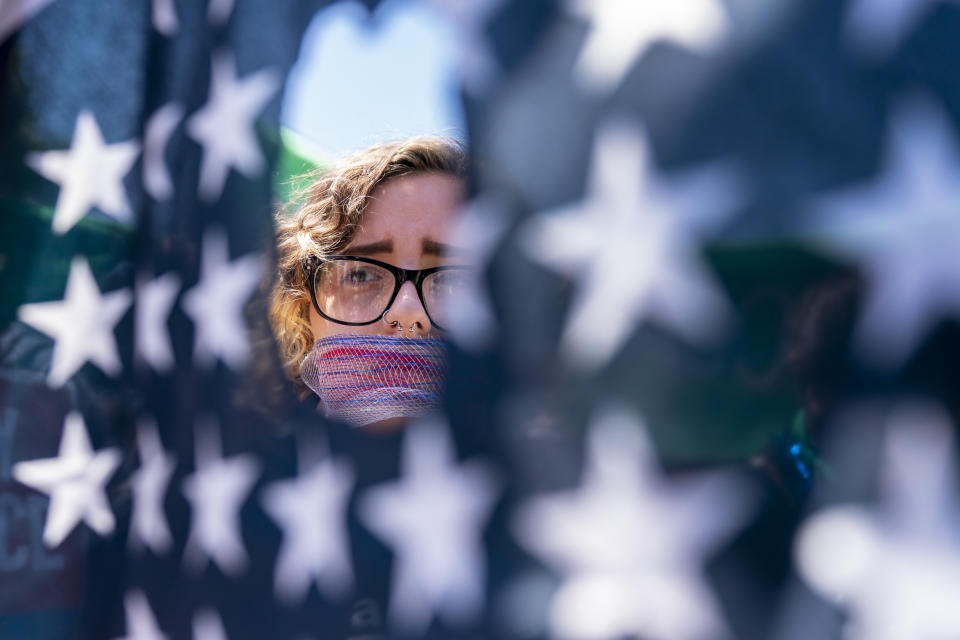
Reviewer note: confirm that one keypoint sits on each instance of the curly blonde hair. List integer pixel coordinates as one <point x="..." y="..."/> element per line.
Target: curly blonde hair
<point x="321" y="220"/>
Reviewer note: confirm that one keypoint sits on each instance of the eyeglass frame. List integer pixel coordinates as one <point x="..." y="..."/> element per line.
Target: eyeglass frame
<point x="400" y="276"/>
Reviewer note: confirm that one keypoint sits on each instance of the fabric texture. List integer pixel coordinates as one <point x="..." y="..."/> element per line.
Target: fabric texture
<point x="364" y="379"/>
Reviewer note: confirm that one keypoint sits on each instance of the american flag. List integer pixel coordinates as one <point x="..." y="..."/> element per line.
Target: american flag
<point x="706" y="390"/>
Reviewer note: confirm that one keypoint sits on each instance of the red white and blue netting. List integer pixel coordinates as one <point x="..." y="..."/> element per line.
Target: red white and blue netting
<point x="365" y="379"/>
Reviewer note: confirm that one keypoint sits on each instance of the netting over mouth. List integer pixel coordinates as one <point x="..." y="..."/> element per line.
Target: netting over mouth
<point x="364" y="379"/>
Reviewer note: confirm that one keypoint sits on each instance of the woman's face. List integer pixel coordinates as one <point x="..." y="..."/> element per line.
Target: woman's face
<point x="406" y="223"/>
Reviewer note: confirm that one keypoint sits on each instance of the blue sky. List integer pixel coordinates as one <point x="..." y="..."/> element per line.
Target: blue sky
<point x="359" y="80"/>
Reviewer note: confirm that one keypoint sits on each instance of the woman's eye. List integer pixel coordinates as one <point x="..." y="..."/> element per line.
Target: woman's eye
<point x="453" y="279"/>
<point x="360" y="276"/>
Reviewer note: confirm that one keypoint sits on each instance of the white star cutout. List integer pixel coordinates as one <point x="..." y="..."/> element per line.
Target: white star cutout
<point x="895" y="568"/>
<point x="75" y="482"/>
<point x="433" y="518"/>
<point x="163" y="15"/>
<point x="632" y="244"/>
<point x="621" y="31"/>
<point x="878" y="27"/>
<point x="478" y="66"/>
<point x="208" y="626"/>
<point x="155" y="299"/>
<point x="219" y="11"/>
<point x="225" y="124"/>
<point x="157" y="131"/>
<point x="216" y="303"/>
<point x="90" y="174"/>
<point x="141" y="623"/>
<point x="148" y="523"/>
<point x="216" y="492"/>
<point x="478" y="228"/>
<point x="903" y="229"/>
<point x="311" y="510"/>
<point x="81" y="324"/>
<point x="14" y="13"/>
<point x="629" y="545"/>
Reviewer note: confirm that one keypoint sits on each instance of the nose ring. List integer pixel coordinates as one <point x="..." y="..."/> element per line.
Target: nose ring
<point x="396" y="324"/>
<point x="390" y="323"/>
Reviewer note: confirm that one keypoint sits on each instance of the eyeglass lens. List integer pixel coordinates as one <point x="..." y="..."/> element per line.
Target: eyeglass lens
<point x="353" y="291"/>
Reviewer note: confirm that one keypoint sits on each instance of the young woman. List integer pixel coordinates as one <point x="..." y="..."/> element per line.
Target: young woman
<point x="366" y="279"/>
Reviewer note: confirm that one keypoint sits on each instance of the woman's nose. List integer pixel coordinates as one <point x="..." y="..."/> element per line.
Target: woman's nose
<point x="408" y="312"/>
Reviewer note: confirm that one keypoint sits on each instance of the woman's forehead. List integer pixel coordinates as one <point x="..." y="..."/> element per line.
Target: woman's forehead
<point x="411" y="207"/>
<point x="427" y="189"/>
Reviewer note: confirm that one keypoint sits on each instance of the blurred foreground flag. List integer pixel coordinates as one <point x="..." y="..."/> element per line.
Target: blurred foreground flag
<point x="724" y="218"/>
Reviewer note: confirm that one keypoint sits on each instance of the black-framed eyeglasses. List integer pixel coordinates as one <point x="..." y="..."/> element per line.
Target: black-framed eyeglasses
<point x="356" y="291"/>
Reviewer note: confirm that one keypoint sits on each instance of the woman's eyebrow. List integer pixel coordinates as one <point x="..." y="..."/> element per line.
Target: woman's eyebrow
<point x="432" y="247"/>
<point x="380" y="246"/>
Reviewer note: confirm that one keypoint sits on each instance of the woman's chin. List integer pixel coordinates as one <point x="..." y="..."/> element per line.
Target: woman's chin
<point x="383" y="409"/>
<point x="387" y="425"/>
